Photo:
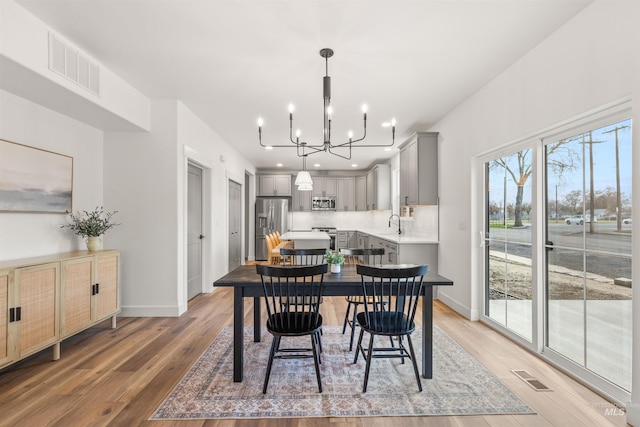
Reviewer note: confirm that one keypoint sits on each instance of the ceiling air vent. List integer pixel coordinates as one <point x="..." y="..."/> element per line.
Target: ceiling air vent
<point x="69" y="62"/>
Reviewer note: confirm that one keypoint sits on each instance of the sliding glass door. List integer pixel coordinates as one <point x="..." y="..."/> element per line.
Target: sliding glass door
<point x="557" y="249"/>
<point x="508" y="241"/>
<point x="588" y="262"/>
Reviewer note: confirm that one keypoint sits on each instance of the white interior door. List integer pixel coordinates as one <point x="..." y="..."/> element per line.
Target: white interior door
<point x="235" y="225"/>
<point x="194" y="231"/>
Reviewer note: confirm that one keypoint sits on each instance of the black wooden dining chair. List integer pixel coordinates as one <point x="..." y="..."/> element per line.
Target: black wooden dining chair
<point x="360" y="256"/>
<point x="313" y="256"/>
<point x="302" y="256"/>
<point x="399" y="290"/>
<point x="291" y="295"/>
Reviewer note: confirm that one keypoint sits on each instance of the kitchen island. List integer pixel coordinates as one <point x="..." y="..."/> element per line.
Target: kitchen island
<point x="308" y="239"/>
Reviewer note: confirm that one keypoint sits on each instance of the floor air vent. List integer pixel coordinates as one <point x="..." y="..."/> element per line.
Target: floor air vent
<point x="533" y="382"/>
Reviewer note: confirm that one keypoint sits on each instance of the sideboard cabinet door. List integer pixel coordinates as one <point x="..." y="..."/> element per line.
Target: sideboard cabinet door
<point x="38" y="296"/>
<point x="106" y="299"/>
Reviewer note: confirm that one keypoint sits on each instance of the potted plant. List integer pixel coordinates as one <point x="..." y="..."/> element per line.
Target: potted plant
<point x="335" y="259"/>
<point x="91" y="225"/>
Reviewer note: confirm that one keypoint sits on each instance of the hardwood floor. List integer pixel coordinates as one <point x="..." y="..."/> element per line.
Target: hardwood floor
<point x="118" y="377"/>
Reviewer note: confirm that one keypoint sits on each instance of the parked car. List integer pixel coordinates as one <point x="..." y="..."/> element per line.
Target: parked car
<point x="626" y="221"/>
<point x="579" y="219"/>
<point x="573" y="220"/>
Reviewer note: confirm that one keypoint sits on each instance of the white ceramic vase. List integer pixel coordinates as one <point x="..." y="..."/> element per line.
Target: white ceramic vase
<point x="335" y="268"/>
<point x="94" y="243"/>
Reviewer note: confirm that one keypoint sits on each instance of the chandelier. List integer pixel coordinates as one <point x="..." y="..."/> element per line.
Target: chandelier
<point x="341" y="149"/>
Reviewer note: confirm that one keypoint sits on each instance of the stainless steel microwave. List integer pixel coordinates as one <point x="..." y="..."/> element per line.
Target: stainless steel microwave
<point x="323" y="203"/>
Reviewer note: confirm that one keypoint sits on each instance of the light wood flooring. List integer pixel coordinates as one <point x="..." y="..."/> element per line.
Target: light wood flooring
<point x="118" y="377"/>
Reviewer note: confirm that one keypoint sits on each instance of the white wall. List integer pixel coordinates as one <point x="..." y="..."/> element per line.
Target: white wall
<point x="33" y="234"/>
<point x="140" y="182"/>
<point x="25" y="41"/>
<point x="146" y="179"/>
<point x="203" y="145"/>
<point x="589" y="62"/>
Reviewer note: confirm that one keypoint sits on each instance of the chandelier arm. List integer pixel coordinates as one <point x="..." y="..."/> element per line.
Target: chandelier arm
<point x="314" y="150"/>
<point x="364" y="135"/>
<point x="393" y="140"/>
<point x="296" y="142"/>
<point x="340" y="155"/>
<point x="363" y="145"/>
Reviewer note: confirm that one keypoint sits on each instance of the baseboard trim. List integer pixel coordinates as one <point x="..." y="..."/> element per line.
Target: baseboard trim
<point x="455" y="305"/>
<point x="149" y="311"/>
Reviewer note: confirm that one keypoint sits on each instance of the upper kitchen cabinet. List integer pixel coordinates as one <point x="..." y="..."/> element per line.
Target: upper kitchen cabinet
<point x="361" y="193"/>
<point x="346" y="197"/>
<point x="379" y="188"/>
<point x="325" y="186"/>
<point x="419" y="169"/>
<point x="274" y="185"/>
<point x="300" y="200"/>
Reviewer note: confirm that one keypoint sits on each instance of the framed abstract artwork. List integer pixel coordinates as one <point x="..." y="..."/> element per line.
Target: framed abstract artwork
<point x="34" y="180"/>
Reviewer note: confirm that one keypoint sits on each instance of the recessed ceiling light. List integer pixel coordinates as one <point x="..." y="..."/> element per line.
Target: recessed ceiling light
<point x="386" y="124"/>
<point x="355" y="165"/>
<point x="387" y="149"/>
<point x="279" y="165"/>
<point x="316" y="165"/>
<point x="268" y="147"/>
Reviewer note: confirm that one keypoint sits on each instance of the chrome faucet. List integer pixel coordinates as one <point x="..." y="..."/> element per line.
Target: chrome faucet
<point x="391" y="217"/>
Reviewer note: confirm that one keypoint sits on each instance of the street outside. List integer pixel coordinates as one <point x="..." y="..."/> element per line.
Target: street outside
<point x="566" y="280"/>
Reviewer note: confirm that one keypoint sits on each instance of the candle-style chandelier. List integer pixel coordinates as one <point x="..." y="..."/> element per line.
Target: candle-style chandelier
<point x="304" y="148"/>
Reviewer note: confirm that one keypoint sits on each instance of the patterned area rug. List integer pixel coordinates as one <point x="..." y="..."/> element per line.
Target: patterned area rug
<point x="461" y="385"/>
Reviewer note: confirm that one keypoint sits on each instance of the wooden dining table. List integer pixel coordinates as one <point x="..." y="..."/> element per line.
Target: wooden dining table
<point x="246" y="283"/>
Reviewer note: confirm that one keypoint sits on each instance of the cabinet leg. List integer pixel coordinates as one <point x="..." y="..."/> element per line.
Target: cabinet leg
<point x="113" y="322"/>
<point x="56" y="351"/>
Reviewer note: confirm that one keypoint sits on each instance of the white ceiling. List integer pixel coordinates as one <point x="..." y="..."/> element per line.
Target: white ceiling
<point x="231" y="61"/>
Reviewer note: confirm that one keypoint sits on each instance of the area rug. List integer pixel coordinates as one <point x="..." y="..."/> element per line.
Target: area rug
<point x="460" y="384"/>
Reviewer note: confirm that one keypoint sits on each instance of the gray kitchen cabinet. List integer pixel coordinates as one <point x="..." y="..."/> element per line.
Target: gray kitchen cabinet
<point x="346" y="194"/>
<point x="361" y="193"/>
<point x="325" y="186"/>
<point x="391" y="252"/>
<point x="342" y="240"/>
<point x="379" y="188"/>
<point x="352" y="242"/>
<point x="300" y="200"/>
<point x="419" y="170"/>
<point x="346" y="239"/>
<point x="402" y="253"/>
<point x="274" y="185"/>
<point x="375" y="243"/>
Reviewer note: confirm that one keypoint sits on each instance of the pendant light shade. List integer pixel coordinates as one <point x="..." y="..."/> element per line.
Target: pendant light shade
<point x="303" y="178"/>
<point x="305" y="187"/>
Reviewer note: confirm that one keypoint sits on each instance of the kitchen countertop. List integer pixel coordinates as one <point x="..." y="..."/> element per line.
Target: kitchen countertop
<point x="308" y="239"/>
<point x="392" y="236"/>
<point x="305" y="235"/>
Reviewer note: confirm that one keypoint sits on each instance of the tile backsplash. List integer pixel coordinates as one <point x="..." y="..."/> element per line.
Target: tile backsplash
<point x="424" y="223"/>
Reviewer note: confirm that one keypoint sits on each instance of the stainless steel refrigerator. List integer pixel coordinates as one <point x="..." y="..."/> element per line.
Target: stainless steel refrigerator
<point x="271" y="215"/>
